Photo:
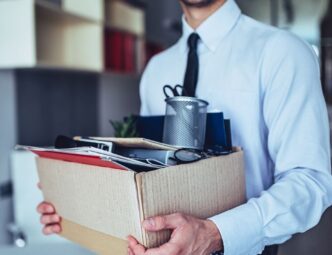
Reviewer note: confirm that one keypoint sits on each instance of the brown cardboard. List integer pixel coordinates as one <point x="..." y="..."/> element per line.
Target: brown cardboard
<point x="94" y="240"/>
<point x="106" y="205"/>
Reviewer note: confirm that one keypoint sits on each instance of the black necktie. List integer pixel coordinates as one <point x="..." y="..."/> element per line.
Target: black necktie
<point x="191" y="75"/>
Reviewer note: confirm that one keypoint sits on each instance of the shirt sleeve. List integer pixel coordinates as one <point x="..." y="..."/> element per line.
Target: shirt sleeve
<point x="145" y="80"/>
<point x="295" y="116"/>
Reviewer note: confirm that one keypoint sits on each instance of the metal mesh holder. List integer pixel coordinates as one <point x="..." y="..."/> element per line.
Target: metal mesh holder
<point x="185" y="122"/>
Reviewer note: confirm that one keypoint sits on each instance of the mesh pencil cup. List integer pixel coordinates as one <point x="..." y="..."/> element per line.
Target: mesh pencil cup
<point x="185" y="122"/>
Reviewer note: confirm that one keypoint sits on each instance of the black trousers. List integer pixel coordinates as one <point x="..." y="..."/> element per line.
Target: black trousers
<point x="270" y="250"/>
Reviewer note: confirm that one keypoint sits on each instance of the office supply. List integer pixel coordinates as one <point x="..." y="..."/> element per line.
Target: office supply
<point x="169" y="91"/>
<point x="185" y="122"/>
<point x="185" y="155"/>
<point x="99" y="157"/>
<point x="229" y="143"/>
<point x="151" y="127"/>
<point x="106" y="146"/>
<point x="188" y="155"/>
<point x="164" y="157"/>
<point x="63" y="142"/>
<point x="215" y="131"/>
<point x="136" y="143"/>
<point x="83" y="155"/>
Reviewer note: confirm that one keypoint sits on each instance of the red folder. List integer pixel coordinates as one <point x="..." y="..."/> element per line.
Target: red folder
<point x="82" y="159"/>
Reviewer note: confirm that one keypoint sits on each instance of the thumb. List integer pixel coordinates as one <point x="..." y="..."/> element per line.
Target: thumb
<point x="158" y="223"/>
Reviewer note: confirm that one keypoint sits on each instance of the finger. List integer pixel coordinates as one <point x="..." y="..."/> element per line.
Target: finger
<point x="49" y="219"/>
<point x="138" y="249"/>
<point x="130" y="252"/>
<point x="132" y="241"/>
<point x="45" y="208"/>
<point x="51" y="229"/>
<point x="165" y="249"/>
<point x="135" y="247"/>
<point x="158" y="223"/>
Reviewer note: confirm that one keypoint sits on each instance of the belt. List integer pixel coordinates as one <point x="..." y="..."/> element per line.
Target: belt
<point x="271" y="250"/>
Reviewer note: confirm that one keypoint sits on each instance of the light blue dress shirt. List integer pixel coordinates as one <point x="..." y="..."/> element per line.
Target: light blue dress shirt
<point x="267" y="81"/>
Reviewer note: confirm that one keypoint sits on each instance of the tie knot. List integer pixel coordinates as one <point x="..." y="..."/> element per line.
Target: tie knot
<point x="192" y="41"/>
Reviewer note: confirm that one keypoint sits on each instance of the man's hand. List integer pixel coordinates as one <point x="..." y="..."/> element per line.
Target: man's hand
<point x="49" y="218"/>
<point x="189" y="236"/>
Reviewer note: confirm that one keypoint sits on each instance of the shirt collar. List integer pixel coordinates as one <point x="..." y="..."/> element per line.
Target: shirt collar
<point x="214" y="28"/>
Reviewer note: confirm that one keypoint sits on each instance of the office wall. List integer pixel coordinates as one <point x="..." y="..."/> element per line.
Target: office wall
<point x="307" y="14"/>
<point x="54" y="102"/>
<point x="159" y="16"/>
<point x="118" y="97"/>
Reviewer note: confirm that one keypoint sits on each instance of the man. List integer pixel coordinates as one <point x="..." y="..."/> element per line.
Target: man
<point x="267" y="81"/>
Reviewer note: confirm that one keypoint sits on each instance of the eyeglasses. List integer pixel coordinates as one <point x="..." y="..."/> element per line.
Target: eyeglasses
<point x="187" y="155"/>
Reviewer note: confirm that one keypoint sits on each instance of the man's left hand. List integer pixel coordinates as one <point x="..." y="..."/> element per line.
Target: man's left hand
<point x="189" y="236"/>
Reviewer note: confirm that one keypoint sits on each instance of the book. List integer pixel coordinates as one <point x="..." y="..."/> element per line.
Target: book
<point x="115" y="51"/>
<point x="129" y="53"/>
<point x="120" y="51"/>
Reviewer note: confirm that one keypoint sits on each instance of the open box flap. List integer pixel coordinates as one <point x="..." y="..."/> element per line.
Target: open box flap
<point x="140" y="202"/>
<point x="98" y="198"/>
<point x="190" y="188"/>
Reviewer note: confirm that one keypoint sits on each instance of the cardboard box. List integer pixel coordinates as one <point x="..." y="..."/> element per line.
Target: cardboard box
<point x="101" y="206"/>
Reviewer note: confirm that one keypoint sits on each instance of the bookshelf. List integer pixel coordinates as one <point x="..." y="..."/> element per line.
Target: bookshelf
<point x="66" y="34"/>
<point x="67" y="41"/>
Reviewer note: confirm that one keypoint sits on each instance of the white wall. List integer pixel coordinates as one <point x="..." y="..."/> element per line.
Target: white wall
<point x="308" y="14"/>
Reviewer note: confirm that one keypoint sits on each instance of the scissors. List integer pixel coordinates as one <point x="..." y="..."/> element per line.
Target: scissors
<point x="174" y="91"/>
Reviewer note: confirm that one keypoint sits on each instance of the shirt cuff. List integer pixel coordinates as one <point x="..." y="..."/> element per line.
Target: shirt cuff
<point x="241" y="230"/>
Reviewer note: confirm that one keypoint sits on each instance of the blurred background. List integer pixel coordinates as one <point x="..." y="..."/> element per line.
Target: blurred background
<point x="69" y="66"/>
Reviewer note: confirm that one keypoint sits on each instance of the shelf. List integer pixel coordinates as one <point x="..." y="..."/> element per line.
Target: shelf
<point x="67" y="42"/>
<point x="67" y="36"/>
<point x="121" y="16"/>
<point x="106" y="73"/>
<point x="135" y="76"/>
<point x="65" y="13"/>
